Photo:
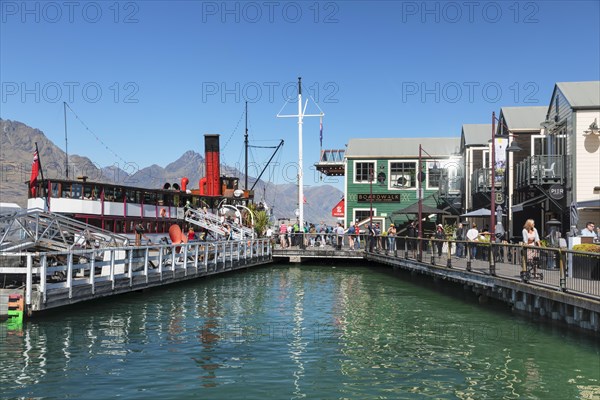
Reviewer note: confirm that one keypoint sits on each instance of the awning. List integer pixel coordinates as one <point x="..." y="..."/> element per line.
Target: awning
<point x="589" y="204"/>
<point x="531" y="202"/>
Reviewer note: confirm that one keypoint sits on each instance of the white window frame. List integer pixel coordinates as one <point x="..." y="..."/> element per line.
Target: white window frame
<point x="368" y="209"/>
<point x="374" y="162"/>
<point x="440" y="167"/>
<point x="389" y="175"/>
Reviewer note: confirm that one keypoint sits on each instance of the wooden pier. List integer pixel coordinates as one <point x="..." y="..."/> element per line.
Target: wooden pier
<point x="55" y="279"/>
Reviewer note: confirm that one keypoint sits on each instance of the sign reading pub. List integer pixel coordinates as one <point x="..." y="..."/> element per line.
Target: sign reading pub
<point x="379" y="198"/>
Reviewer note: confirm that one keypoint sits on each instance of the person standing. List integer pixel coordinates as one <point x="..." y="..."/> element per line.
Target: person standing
<point x="357" y="233"/>
<point x="339" y="231"/>
<point x="282" y="235"/>
<point x="473" y="237"/>
<point x="191" y="235"/>
<point x="371" y="234"/>
<point x="391" y="236"/>
<point x="531" y="238"/>
<point x="530" y="234"/>
<point x="460" y="236"/>
<point x="440" y="235"/>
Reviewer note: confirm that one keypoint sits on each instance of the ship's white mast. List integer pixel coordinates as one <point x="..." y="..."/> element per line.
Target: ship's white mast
<point x="301" y="114"/>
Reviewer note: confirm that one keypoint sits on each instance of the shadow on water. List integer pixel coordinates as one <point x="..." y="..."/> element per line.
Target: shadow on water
<point x="465" y="294"/>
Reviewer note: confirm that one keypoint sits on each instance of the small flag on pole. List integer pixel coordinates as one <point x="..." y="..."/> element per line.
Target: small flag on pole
<point x="35" y="169"/>
<point x="321" y="132"/>
<point x="574" y="213"/>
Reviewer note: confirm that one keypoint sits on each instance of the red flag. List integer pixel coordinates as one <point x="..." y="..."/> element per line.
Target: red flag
<point x="305" y="200"/>
<point x="35" y="169"/>
<point x="338" y="210"/>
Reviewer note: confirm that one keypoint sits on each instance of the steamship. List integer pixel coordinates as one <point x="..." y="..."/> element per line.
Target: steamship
<point x="119" y="208"/>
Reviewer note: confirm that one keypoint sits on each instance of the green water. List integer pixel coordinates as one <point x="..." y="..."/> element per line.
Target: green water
<point x="286" y="332"/>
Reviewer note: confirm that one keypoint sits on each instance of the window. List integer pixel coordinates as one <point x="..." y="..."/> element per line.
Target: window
<point x="149" y="198"/>
<point x="403" y="175"/>
<point x="54" y="189"/>
<point x="434" y="174"/>
<point x="361" y="215"/>
<point x="363" y="170"/>
<point x="66" y="190"/>
<point x="76" y="191"/>
<point x="119" y="195"/>
<point x="90" y="192"/>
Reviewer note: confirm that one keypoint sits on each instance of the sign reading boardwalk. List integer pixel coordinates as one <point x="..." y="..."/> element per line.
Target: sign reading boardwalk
<point x="379" y="198"/>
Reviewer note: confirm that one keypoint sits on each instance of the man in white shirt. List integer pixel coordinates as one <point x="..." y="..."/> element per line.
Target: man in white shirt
<point x="473" y="236"/>
<point x="340" y="235"/>
<point x="589" y="231"/>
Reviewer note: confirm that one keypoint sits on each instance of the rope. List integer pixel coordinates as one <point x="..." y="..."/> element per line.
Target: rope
<point x="96" y="136"/>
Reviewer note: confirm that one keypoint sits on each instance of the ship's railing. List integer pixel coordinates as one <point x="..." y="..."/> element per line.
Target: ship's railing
<point x="35" y="229"/>
<point x="71" y="270"/>
<point x="212" y="222"/>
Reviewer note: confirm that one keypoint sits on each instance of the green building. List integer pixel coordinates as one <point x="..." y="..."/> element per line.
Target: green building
<point x="388" y="169"/>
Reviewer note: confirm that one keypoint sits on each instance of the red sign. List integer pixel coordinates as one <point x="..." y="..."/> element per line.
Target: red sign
<point x="338" y="210"/>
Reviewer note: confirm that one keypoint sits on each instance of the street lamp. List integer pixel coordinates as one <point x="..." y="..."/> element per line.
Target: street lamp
<point x="513" y="147"/>
<point x="420" y="197"/>
<point x="370" y="196"/>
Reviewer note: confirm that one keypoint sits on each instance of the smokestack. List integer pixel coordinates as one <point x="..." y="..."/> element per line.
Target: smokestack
<point x="213" y="170"/>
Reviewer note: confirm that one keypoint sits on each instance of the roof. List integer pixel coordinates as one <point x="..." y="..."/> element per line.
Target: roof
<point x="476" y="134"/>
<point x="402" y="147"/>
<point x="581" y="94"/>
<point x="524" y="118"/>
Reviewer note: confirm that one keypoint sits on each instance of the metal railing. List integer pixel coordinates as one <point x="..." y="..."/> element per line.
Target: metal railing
<point x="541" y="169"/>
<point x="481" y="180"/>
<point x="48" y="271"/>
<point x="565" y="270"/>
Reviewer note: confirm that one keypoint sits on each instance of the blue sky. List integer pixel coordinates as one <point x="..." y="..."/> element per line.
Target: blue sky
<point x="149" y="78"/>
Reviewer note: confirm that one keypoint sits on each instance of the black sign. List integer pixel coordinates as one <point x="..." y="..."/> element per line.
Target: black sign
<point x="557" y="192"/>
<point x="379" y="198"/>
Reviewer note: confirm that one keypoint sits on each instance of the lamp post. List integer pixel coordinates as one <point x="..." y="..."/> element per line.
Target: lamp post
<point x="493" y="177"/>
<point x="420" y="196"/>
<point x="513" y="147"/>
<point x="370" y="197"/>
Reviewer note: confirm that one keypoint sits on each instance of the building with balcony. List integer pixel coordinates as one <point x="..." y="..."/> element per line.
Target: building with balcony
<point x="521" y="127"/>
<point x="560" y="178"/>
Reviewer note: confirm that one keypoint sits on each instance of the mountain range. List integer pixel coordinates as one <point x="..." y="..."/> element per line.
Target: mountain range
<point x="16" y="155"/>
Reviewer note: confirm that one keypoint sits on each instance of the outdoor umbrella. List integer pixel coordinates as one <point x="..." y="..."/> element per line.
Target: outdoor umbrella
<point x="482" y="212"/>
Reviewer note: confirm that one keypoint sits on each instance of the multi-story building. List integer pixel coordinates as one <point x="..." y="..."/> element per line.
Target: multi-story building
<point x="388" y="169"/>
<point x="560" y="178"/>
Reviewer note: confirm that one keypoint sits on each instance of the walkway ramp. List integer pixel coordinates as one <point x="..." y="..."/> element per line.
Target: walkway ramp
<point x="212" y="223"/>
<point x="38" y="230"/>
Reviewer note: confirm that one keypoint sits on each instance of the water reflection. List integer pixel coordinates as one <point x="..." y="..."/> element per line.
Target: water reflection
<point x="300" y="332"/>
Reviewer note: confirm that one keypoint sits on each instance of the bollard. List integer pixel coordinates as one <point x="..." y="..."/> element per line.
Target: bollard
<point x="492" y="257"/>
<point x="561" y="266"/>
<point x="468" y="257"/>
<point x="524" y="273"/>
